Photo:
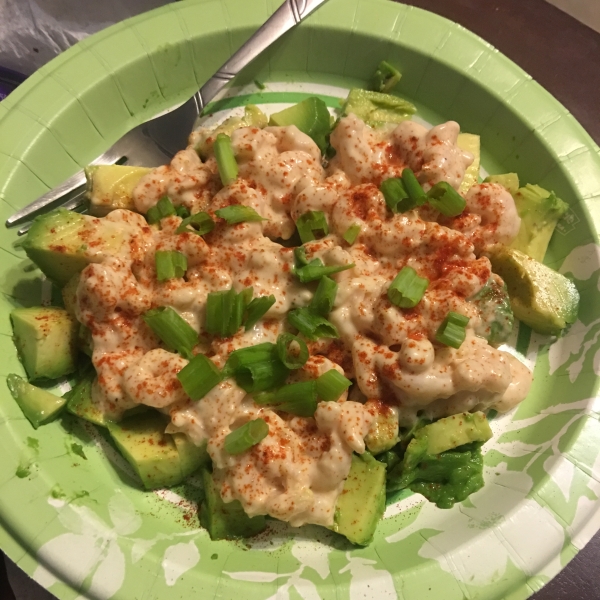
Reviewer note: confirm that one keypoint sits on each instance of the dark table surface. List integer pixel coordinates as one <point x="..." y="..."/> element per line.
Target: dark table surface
<point x="564" y="56"/>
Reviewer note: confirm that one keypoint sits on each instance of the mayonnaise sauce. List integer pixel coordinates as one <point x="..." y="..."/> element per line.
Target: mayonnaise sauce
<point x="297" y="472"/>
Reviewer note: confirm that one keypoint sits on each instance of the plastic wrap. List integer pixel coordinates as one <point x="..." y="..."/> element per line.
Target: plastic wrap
<point x="32" y="32"/>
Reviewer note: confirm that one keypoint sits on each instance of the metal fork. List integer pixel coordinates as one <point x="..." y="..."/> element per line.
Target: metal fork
<point x="156" y="141"/>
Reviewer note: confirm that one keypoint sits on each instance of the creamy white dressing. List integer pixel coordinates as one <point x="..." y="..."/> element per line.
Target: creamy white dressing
<point x="297" y="472"/>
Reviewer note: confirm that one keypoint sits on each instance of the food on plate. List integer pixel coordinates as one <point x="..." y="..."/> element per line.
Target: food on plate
<point x="307" y="312"/>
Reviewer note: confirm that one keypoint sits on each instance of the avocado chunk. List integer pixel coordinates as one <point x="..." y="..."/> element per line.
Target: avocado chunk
<point x="509" y="180"/>
<point x="310" y="116"/>
<point x="80" y="402"/>
<point x="111" y="186"/>
<point x="361" y="504"/>
<point x="450" y="432"/>
<point x="69" y="294"/>
<point x="540" y="211"/>
<point x="443" y="460"/>
<point x="191" y="457"/>
<point x="383" y="432"/>
<point x="376" y="109"/>
<point x="61" y="243"/>
<point x="46" y="339"/>
<point x="153" y="454"/>
<point x="38" y="405"/>
<point x="443" y="479"/>
<point x="539" y="296"/>
<point x="470" y="143"/>
<point x="497" y="317"/>
<point x="253" y="117"/>
<point x="225" y="521"/>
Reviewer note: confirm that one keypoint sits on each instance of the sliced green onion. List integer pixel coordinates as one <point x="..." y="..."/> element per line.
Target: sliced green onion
<point x="396" y="196"/>
<point x="444" y="198"/>
<point x="413" y="187"/>
<point x="182" y="211"/>
<point x="352" y="233"/>
<point x="261" y="376"/>
<point x="311" y="325"/>
<point x="311" y="223"/>
<point x="394" y="193"/>
<point x="386" y="77"/>
<point x="199" y="376"/>
<point x="200" y="223"/>
<point x="243" y="357"/>
<point x="246" y="436"/>
<point x="257" y="309"/>
<point x="176" y="333"/>
<point x="298" y="399"/>
<point x="169" y="264"/>
<point x="300" y="256"/>
<point x="152" y="215"/>
<point x="292" y="351"/>
<point x="331" y="385"/>
<point x="452" y="332"/>
<point x="225" y="311"/>
<point x="220" y="307"/>
<point x="407" y="289"/>
<point x="228" y="169"/>
<point x="163" y="208"/>
<point x="324" y="298"/>
<point x="239" y="308"/>
<point x="315" y="270"/>
<point x="238" y="213"/>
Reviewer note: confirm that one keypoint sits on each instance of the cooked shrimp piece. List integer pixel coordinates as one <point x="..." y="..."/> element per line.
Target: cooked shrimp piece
<point x="153" y="379"/>
<point x="490" y="216"/>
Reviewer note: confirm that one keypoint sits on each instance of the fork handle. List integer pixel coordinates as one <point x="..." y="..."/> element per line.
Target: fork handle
<point x="289" y="14"/>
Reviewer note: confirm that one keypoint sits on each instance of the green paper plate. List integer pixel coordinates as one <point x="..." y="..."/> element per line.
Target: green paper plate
<point x="70" y="513"/>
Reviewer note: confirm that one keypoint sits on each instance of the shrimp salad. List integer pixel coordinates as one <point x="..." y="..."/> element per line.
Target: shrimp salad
<point x="390" y="354"/>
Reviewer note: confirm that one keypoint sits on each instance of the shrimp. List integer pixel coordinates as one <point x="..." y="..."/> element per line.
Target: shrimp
<point x="490" y="216"/>
<point x="153" y="379"/>
<point x="432" y="153"/>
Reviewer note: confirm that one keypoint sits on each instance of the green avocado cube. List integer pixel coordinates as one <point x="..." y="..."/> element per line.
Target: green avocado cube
<point x="46" y="339"/>
<point x="153" y="454"/>
<point x="383" y="432"/>
<point x="361" y="504"/>
<point x="453" y="431"/>
<point x="225" y="521"/>
<point x="110" y="187"/>
<point x="539" y="296"/>
<point x="62" y="243"/>
<point x="38" y="405"/>
<point x="310" y="116"/>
